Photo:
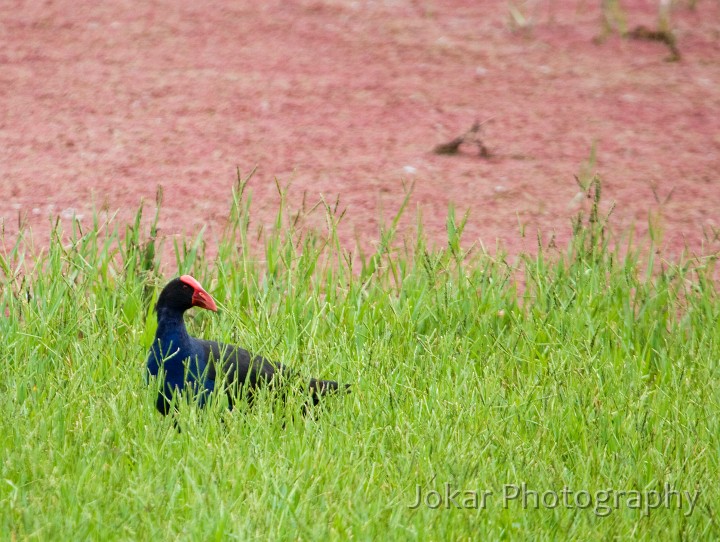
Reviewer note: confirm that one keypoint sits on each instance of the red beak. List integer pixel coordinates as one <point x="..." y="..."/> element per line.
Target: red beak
<point x="203" y="299"/>
<point x="200" y="297"/>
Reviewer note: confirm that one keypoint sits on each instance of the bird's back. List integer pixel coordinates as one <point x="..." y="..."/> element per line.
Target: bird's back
<point x="239" y="366"/>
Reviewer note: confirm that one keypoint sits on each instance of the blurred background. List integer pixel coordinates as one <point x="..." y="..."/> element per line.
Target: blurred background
<point x="101" y="103"/>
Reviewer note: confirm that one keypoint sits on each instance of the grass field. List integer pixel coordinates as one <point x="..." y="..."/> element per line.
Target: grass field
<point x="595" y="385"/>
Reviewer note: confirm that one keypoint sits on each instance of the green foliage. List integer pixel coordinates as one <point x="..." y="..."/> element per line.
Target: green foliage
<point x="600" y="371"/>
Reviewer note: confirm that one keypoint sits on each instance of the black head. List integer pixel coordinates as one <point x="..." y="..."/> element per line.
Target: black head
<point x="184" y="292"/>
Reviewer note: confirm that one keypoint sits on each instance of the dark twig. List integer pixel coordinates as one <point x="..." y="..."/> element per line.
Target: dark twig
<point x="471" y="136"/>
<point x="663" y="36"/>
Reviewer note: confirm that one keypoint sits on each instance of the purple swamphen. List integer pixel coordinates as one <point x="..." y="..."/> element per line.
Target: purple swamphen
<point x="191" y="364"/>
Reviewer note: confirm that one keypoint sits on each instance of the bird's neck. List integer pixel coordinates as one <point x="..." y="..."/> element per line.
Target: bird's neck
<point x="171" y="327"/>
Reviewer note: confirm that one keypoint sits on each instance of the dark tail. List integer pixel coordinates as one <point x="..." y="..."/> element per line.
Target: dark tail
<point x="319" y="388"/>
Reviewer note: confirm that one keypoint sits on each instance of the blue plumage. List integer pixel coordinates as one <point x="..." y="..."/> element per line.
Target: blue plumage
<point x="188" y="365"/>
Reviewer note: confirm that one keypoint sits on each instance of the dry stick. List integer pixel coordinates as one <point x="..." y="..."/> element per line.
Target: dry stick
<point x="471" y="136"/>
<point x="663" y="36"/>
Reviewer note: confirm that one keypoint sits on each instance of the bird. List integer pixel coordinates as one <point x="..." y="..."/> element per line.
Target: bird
<point x="189" y="364"/>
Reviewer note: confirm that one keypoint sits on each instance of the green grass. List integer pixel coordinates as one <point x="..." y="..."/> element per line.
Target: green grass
<point x="601" y="373"/>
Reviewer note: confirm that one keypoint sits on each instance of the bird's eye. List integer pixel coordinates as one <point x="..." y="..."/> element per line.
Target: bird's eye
<point x="186" y="287"/>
